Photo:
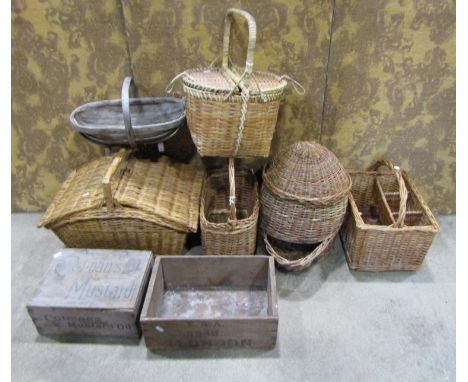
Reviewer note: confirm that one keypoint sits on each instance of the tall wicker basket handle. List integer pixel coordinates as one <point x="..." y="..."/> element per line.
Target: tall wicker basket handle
<point x="252" y="26"/>
<point x="401" y="185"/>
<point x="232" y="191"/>
<point x="300" y="264"/>
<point x="127" y="92"/>
<point x="106" y="180"/>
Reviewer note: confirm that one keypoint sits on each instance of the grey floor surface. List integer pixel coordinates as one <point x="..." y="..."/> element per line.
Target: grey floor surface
<point x="335" y="325"/>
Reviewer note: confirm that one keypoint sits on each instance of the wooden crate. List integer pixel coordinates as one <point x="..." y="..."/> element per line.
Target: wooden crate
<point x="211" y="302"/>
<point x="92" y="294"/>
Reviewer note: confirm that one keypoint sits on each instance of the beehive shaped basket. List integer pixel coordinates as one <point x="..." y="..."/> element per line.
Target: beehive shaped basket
<point x="389" y="226"/>
<point x="232" y="112"/>
<point x="229" y="212"/>
<point x="120" y="203"/>
<point x="304" y="194"/>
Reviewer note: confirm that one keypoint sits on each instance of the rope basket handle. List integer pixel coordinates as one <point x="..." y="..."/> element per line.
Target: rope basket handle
<point x="232" y="191"/>
<point x="252" y="27"/>
<point x="117" y="160"/>
<point x="127" y="93"/>
<point x="401" y="186"/>
<point x="300" y="264"/>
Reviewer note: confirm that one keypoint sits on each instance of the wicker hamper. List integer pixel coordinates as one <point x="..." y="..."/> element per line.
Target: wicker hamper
<point x="120" y="203"/>
<point x="389" y="227"/>
<point x="232" y="111"/>
<point x="229" y="212"/>
<point x="304" y="194"/>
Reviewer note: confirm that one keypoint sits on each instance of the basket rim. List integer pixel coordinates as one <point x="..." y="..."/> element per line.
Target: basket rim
<point x="304" y="262"/>
<point x="118" y="214"/>
<point x="433" y="227"/>
<point x="142" y="129"/>
<point x="191" y="84"/>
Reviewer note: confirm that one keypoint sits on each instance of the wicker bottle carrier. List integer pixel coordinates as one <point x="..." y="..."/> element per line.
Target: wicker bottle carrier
<point x="389" y="226"/>
<point x="229" y="212"/>
<point x="120" y="203"/>
<point x="232" y="112"/>
<point x="304" y="194"/>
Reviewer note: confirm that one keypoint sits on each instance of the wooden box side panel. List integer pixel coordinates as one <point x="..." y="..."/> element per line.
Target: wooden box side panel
<point x="70" y="323"/>
<point x="226" y="271"/>
<point x="210" y="333"/>
<point x="271" y="289"/>
<point x="155" y="291"/>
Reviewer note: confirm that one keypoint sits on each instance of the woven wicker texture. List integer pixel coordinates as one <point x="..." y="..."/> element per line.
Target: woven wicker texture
<point x="264" y="85"/>
<point x="118" y="203"/>
<point x="304" y="194"/>
<point x="232" y="112"/>
<point x="373" y="238"/>
<point x="296" y="257"/>
<point x="229" y="224"/>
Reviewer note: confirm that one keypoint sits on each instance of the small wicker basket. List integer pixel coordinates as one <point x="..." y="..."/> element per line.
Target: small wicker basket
<point x="117" y="203"/>
<point x="233" y="112"/>
<point x="229" y="212"/>
<point x="304" y="194"/>
<point x="389" y="226"/>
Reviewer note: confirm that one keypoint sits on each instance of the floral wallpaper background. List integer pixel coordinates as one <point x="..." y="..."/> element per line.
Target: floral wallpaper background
<point x="379" y="76"/>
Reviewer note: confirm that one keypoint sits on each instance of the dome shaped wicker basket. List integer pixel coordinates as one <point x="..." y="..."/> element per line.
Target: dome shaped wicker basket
<point x="304" y="194"/>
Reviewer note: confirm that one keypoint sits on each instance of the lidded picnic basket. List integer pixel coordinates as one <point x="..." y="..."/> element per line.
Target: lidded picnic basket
<point x="120" y="203"/>
<point x="229" y="212"/>
<point x="304" y="194"/>
<point x="389" y="226"/>
<point x="232" y="112"/>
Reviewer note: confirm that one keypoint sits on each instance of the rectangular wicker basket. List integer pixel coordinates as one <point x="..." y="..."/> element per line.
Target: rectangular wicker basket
<point x="229" y="212"/>
<point x="377" y="234"/>
<point x="120" y="203"/>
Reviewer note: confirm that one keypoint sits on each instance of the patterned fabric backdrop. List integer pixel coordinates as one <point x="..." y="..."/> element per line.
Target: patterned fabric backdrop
<point x="379" y="77"/>
<point x="391" y="90"/>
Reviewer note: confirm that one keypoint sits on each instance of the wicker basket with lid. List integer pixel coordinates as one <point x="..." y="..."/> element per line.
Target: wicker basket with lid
<point x="232" y="112"/>
<point x="304" y="194"/>
<point x="125" y="203"/>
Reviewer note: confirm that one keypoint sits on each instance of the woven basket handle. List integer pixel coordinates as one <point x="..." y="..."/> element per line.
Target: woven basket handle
<point x="251" y="44"/>
<point x="106" y="180"/>
<point x="297" y="265"/>
<point x="232" y="191"/>
<point x="401" y="185"/>
<point x="127" y="92"/>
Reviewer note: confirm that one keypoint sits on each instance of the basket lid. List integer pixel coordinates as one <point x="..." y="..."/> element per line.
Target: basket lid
<point x="307" y="171"/>
<point x="161" y="192"/>
<point x="218" y="80"/>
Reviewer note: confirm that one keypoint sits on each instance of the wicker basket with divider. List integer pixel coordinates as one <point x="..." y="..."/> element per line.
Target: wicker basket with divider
<point x="389" y="226"/>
